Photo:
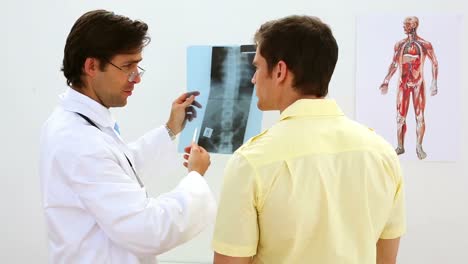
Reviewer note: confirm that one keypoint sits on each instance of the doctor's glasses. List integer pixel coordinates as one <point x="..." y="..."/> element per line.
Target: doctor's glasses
<point x="131" y="75"/>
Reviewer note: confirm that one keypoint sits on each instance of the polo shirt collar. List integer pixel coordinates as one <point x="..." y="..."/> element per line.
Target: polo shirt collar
<point x="312" y="107"/>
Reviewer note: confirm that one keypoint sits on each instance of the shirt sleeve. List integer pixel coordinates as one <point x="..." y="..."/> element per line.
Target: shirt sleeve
<point x="144" y="226"/>
<point x="236" y="231"/>
<point x="396" y="223"/>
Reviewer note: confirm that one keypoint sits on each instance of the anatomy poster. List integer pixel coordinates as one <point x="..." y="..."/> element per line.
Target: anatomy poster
<point x="229" y="116"/>
<point x="408" y="82"/>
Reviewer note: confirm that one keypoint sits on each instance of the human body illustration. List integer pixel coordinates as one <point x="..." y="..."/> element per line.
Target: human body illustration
<point x="409" y="56"/>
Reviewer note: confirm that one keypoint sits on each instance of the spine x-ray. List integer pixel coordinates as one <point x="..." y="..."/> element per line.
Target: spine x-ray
<point x="229" y="115"/>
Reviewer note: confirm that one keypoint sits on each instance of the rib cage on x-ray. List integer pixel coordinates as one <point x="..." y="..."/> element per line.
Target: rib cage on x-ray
<point x="225" y="121"/>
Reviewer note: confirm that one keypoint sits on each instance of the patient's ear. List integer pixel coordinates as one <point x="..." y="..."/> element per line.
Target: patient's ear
<point x="281" y="71"/>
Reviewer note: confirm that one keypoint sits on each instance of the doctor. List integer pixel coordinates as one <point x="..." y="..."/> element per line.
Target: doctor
<point x="96" y="206"/>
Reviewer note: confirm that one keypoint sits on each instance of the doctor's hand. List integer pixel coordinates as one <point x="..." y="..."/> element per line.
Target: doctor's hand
<point x="183" y="109"/>
<point x="196" y="159"/>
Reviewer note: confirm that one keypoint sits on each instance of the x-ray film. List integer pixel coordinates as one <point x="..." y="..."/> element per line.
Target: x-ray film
<point x="229" y="116"/>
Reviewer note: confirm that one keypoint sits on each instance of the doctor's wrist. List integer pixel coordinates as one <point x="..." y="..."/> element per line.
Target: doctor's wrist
<point x="170" y="132"/>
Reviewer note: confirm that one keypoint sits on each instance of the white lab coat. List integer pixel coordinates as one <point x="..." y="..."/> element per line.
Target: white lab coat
<point x="96" y="212"/>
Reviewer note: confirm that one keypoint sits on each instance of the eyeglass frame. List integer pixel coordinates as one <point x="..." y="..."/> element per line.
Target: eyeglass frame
<point x="132" y="75"/>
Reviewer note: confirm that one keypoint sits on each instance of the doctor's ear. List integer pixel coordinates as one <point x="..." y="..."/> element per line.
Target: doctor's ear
<point x="90" y="66"/>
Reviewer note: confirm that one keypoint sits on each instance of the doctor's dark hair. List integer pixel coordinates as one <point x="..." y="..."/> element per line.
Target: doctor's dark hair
<point x="306" y="45"/>
<point x="102" y="35"/>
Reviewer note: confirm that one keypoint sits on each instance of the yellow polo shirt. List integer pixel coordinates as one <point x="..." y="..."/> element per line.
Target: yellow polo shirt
<point x="317" y="187"/>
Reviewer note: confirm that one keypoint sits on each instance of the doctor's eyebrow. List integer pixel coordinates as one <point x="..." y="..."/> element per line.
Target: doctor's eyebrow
<point x="132" y="61"/>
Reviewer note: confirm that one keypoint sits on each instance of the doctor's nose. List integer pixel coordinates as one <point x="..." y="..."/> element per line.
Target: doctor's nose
<point x="134" y="77"/>
<point x="137" y="79"/>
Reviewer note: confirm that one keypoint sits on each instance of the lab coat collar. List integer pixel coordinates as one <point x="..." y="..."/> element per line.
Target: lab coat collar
<point x="74" y="101"/>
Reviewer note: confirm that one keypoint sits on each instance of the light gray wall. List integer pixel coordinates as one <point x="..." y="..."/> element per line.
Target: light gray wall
<point x="33" y="34"/>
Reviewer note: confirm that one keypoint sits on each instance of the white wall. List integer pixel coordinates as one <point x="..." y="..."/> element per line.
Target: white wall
<point x="33" y="34"/>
